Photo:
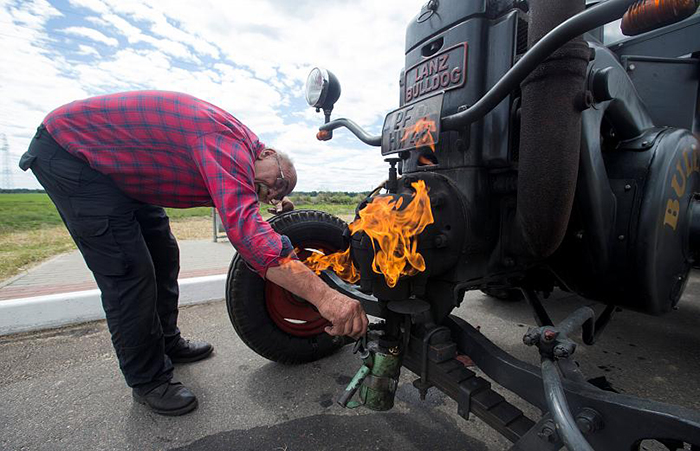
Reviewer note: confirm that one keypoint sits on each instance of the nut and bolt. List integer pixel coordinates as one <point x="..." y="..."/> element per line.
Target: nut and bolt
<point x="589" y="421"/>
<point x="531" y="337"/>
<point x="561" y="352"/>
<point x="548" y="433"/>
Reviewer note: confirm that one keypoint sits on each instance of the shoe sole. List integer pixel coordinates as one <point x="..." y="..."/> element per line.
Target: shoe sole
<point x="170" y="413"/>
<point x="193" y="358"/>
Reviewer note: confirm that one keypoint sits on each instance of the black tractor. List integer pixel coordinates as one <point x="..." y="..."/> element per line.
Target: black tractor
<point x="547" y="160"/>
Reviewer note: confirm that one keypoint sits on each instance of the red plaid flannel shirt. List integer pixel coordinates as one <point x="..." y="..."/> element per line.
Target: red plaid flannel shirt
<point x="174" y="150"/>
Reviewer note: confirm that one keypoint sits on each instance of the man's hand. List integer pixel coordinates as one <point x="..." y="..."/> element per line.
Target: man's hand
<point x="281" y="206"/>
<point x="346" y="316"/>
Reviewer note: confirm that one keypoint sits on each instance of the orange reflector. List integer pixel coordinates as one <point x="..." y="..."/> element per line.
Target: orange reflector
<point x="323" y="135"/>
<point x="647" y="15"/>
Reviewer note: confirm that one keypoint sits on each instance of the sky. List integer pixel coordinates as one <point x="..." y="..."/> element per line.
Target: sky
<point x="250" y="58"/>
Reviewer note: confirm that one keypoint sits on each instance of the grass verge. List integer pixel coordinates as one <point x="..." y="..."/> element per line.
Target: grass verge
<point x="31" y="231"/>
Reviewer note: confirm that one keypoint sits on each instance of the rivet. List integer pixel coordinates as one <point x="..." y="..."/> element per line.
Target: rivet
<point x="632" y="67"/>
<point x="621" y="237"/>
<point x="645" y="143"/>
<point x="628" y="187"/>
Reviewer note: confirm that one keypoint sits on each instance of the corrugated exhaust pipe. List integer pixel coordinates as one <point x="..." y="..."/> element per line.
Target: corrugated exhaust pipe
<point x="550" y="136"/>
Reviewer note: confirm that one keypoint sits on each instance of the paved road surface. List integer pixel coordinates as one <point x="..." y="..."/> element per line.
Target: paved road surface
<point x="63" y="390"/>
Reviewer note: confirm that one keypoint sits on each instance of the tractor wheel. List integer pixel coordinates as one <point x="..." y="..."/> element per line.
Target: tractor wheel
<point x="272" y="321"/>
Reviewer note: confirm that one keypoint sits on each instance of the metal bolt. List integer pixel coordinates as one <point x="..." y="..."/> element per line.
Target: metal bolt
<point x="561" y="352"/>
<point x="621" y="237"/>
<point x="645" y="143"/>
<point x="579" y="235"/>
<point x="531" y="337"/>
<point x="628" y="187"/>
<point x="548" y="433"/>
<point x="632" y="67"/>
<point x="589" y="421"/>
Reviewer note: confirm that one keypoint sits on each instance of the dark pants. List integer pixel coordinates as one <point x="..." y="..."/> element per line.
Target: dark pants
<point x="129" y="248"/>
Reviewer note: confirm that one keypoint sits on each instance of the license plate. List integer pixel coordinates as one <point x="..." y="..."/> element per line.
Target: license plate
<point x="412" y="126"/>
<point x="441" y="72"/>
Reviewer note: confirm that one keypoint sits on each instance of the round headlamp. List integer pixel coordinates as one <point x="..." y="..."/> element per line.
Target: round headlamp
<point x="322" y="88"/>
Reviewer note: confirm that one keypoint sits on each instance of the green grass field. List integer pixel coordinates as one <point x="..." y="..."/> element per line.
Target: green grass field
<point x="31" y="229"/>
<point x="30" y="211"/>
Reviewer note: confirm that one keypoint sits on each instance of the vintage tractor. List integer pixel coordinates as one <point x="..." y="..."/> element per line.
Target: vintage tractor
<point x="528" y="155"/>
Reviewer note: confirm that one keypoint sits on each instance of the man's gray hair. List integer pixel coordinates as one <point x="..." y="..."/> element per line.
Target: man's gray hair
<point x="284" y="157"/>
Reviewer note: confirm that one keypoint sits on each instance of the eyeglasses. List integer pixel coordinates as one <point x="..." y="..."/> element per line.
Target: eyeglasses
<point x="281" y="184"/>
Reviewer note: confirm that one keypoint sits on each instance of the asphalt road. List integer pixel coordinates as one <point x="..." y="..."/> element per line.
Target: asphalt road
<point x="63" y="390"/>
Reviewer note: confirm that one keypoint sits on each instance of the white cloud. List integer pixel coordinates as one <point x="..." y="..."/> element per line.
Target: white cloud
<point x="250" y="58"/>
<point x="91" y="33"/>
<point x="87" y="50"/>
<point x="94" y="5"/>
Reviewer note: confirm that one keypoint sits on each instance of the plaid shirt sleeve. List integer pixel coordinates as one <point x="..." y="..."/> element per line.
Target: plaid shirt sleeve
<point x="226" y="164"/>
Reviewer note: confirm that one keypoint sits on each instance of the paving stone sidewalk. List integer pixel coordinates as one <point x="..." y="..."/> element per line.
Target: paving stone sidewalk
<point x="68" y="272"/>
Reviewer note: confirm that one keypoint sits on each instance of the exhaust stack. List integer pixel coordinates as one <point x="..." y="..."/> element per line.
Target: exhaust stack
<point x="550" y="135"/>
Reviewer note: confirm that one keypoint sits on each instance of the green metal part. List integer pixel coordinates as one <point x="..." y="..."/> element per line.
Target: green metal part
<point x="352" y="387"/>
<point x="379" y="387"/>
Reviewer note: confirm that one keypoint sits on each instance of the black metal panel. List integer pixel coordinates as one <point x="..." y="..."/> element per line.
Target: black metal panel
<point x="502" y="42"/>
<point x="449" y="12"/>
<point x="668" y="87"/>
<point x="674" y="40"/>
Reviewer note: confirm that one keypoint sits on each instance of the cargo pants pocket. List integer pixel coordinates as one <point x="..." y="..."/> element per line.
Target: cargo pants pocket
<point x="100" y="250"/>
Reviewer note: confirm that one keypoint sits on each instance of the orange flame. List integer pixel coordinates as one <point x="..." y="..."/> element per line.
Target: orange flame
<point x="422" y="133"/>
<point x="394" y="230"/>
<point x="340" y="262"/>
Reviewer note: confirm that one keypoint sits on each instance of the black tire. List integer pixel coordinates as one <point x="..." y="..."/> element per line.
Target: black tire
<point x="245" y="294"/>
<point x="504" y="294"/>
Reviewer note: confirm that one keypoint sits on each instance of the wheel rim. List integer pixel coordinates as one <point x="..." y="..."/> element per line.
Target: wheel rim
<point x="290" y="313"/>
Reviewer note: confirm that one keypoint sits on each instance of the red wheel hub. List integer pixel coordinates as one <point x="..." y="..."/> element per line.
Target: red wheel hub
<point x="291" y="314"/>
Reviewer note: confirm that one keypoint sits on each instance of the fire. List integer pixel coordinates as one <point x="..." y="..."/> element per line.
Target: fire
<point x="422" y="133"/>
<point x="394" y="230"/>
<point x="340" y="262"/>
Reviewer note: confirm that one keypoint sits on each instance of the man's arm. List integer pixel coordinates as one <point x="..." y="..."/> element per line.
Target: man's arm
<point x="345" y="314"/>
<point x="227" y="169"/>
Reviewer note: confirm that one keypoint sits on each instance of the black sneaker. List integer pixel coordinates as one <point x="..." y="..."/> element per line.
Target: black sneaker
<point x="189" y="351"/>
<point x="170" y="398"/>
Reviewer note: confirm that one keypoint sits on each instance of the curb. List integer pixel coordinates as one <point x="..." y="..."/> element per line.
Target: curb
<point x="57" y="310"/>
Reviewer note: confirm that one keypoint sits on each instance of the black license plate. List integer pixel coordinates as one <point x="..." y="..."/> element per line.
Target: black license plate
<point x="412" y="126"/>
